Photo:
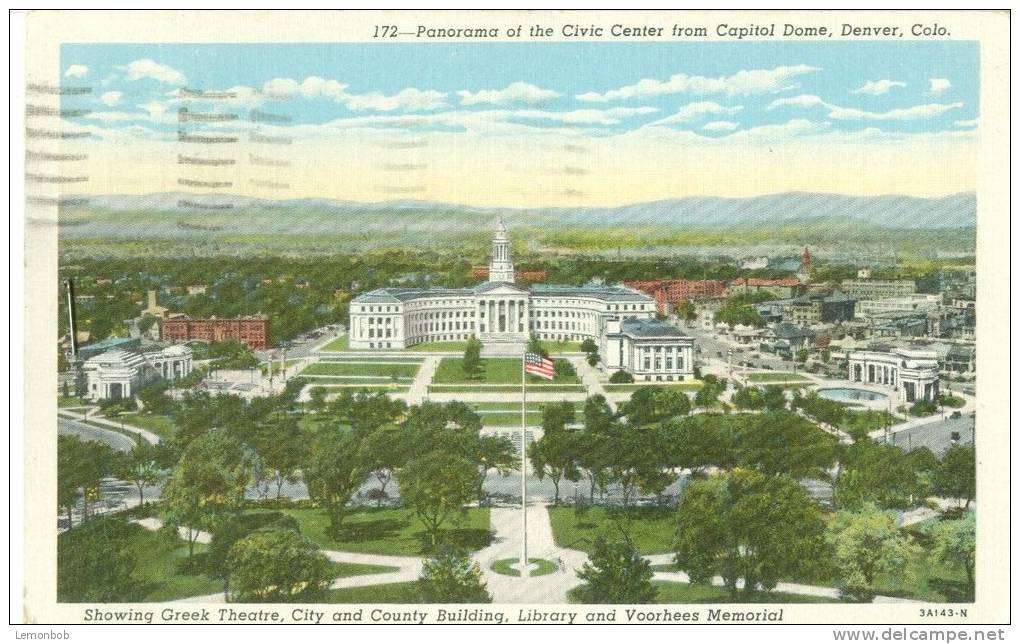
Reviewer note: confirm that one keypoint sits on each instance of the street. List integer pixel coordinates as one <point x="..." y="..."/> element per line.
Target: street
<point x="117" y="441"/>
<point x="936" y="436"/>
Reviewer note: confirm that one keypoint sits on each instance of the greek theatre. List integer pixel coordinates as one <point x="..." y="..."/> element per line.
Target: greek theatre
<point x="503" y="315"/>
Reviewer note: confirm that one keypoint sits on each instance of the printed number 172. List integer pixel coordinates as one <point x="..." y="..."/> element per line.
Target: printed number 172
<point x="385" y="31"/>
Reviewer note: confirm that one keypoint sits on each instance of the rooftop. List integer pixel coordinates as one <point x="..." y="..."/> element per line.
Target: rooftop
<point x="651" y="329"/>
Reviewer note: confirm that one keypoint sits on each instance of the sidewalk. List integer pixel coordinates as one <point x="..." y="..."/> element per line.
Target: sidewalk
<point x="506" y="544"/>
<point x="409" y="568"/>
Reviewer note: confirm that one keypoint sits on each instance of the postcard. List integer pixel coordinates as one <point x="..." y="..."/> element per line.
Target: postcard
<point x="515" y="317"/>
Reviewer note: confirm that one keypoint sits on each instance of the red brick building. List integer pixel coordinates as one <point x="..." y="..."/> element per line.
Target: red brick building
<point x="252" y="331"/>
<point x="670" y="294"/>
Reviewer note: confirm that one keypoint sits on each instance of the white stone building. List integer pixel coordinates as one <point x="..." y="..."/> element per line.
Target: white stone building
<point x="121" y="373"/>
<point x="912" y="373"/>
<point x="501" y="314"/>
<point x="648" y="349"/>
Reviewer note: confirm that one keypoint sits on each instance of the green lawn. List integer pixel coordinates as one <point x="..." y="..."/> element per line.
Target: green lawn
<point x="506" y="389"/>
<point x="70" y="401"/>
<point x="341" y="569"/>
<point x="402" y="593"/>
<point x="335" y="386"/>
<point x="650" y="529"/>
<point x="509" y="419"/>
<point x="508" y="567"/>
<point x="495" y="371"/>
<point x="162" y="426"/>
<point x="691" y="385"/>
<point x="355" y="369"/>
<point x="388" y="531"/>
<point x="411" y="360"/>
<point x="451" y="345"/>
<point x="161" y="572"/>
<point x="776" y="376"/>
<point x="339" y="344"/>
<point x="561" y="346"/>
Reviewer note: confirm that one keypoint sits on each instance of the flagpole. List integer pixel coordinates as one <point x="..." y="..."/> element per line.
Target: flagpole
<point x="524" y="467"/>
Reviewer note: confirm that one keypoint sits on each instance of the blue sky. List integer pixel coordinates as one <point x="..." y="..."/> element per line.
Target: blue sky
<point x="737" y="93"/>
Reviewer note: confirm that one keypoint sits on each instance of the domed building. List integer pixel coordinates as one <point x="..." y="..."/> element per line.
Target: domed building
<point x="503" y="315"/>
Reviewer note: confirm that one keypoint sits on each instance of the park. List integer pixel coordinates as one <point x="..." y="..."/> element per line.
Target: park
<point x="392" y="477"/>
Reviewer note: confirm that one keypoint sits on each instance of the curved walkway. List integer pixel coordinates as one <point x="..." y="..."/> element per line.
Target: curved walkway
<point x="408" y="568"/>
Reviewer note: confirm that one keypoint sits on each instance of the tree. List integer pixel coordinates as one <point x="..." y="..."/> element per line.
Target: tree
<point x="277" y="566"/>
<point x="553" y="454"/>
<point x="140" y="467"/>
<point x="564" y="369"/>
<point x="472" y="363"/>
<point x="620" y="377"/>
<point x="437" y="486"/>
<point x="81" y="467"/>
<point x="957" y="477"/>
<point x="706" y="397"/>
<point x="870" y="471"/>
<point x="207" y="485"/>
<point x="493" y="452"/>
<point x="593" y="359"/>
<point x="589" y="346"/>
<point x="95" y="562"/>
<point x="784" y="443"/>
<point x="953" y="543"/>
<point x="317" y="399"/>
<point x="615" y="574"/>
<point x="802" y="355"/>
<point x="335" y="470"/>
<point x="451" y="578"/>
<point x="235" y="528"/>
<point x="281" y="444"/>
<point x="154" y="398"/>
<point x="744" y="525"/>
<point x="384" y="453"/>
<point x="655" y="404"/>
<point x="688" y="312"/>
<point x="866" y="544"/>
<point x="535" y="346"/>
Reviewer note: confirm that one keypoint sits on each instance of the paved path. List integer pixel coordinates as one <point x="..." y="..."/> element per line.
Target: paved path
<point x="419" y="390"/>
<point x="781" y="587"/>
<point x="408" y="568"/>
<point x="589" y="375"/>
<point x="98" y="420"/>
<point x="506" y="544"/>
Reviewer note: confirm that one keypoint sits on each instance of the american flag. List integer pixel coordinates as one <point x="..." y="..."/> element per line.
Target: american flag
<point x="539" y="366"/>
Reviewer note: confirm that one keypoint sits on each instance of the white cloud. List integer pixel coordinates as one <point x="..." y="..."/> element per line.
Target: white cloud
<point x="111" y="98"/>
<point x="76" y="71"/>
<point x="878" y="87"/>
<point x="967" y="124"/>
<point x="109" y="117"/>
<point x="938" y="85"/>
<point x="148" y="68"/>
<point x="316" y="87"/>
<point x="408" y="99"/>
<point x="744" y="82"/>
<point x="720" y="126"/>
<point x="929" y="110"/>
<point x="311" y="87"/>
<point x="584" y="117"/>
<point x="692" y="111"/>
<point x="518" y="92"/>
